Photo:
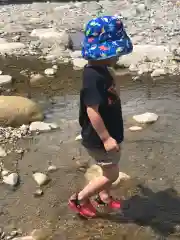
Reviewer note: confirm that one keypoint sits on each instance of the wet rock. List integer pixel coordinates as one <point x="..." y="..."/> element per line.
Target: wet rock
<point x="40" y="234"/>
<point x="16" y="110"/>
<point x="135" y="128"/>
<point x="50" y="71"/>
<point x="14" y="233"/>
<point x="5" y="79"/>
<point x="95" y="171"/>
<point x="40" y="178"/>
<point x="146" y="118"/>
<point x="35" y="78"/>
<point x="52" y="168"/>
<point x="11" y="179"/>
<point x="10" y="48"/>
<point x="78" y="138"/>
<point x="42" y="126"/>
<point x="38" y="193"/>
<point x="79" y="63"/>
<point x="2" y="152"/>
<point x="158" y="73"/>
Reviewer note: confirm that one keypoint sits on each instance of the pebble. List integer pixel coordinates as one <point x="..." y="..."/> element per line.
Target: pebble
<point x="78" y="63"/>
<point x="79" y="137"/>
<point x="42" y="126"/>
<point x="146" y="117"/>
<point x="38" y="193"/>
<point x="135" y="128"/>
<point x="50" y="72"/>
<point x="2" y="152"/>
<point x="52" y="168"/>
<point x="40" y="178"/>
<point x="11" y="179"/>
<point x="5" y="79"/>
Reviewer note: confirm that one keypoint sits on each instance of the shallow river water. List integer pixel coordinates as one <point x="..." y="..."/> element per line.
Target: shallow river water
<point x="151" y="199"/>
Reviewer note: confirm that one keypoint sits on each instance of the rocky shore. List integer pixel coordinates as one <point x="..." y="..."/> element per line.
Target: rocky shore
<point x="53" y="32"/>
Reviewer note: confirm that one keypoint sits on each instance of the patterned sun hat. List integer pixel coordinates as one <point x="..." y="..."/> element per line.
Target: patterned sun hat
<point x="105" y="37"/>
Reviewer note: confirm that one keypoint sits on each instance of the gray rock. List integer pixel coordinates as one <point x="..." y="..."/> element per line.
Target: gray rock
<point x="35" y="78"/>
<point x="2" y="152"/>
<point x="40" y="178"/>
<point x="5" y="79"/>
<point x="11" y="179"/>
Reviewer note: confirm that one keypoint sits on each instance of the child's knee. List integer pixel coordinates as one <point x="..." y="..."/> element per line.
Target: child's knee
<point x="111" y="172"/>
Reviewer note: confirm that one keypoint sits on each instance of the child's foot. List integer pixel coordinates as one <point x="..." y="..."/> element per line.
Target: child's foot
<point x="84" y="209"/>
<point x="111" y="203"/>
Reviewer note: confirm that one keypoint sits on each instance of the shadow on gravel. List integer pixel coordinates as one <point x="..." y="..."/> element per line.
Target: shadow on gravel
<point x="160" y="211"/>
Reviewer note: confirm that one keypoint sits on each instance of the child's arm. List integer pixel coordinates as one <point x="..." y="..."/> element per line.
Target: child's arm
<point x="98" y="124"/>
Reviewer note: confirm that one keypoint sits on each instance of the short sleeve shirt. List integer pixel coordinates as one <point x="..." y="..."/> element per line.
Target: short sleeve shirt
<point x="98" y="88"/>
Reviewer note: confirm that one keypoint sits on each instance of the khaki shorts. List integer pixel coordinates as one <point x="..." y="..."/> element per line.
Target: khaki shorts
<point x="100" y="156"/>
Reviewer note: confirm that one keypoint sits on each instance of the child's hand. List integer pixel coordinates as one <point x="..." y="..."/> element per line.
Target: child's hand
<point x="110" y="144"/>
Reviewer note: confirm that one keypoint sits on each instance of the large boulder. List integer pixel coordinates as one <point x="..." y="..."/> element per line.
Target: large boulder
<point x="16" y="110"/>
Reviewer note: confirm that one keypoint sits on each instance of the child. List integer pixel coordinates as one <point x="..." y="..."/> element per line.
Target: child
<point x="100" y="110"/>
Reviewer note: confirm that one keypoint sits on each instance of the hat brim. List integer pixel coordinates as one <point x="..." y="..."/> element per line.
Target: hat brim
<point x="106" y="50"/>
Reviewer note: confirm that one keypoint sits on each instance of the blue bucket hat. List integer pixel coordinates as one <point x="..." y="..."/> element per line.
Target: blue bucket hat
<point x="105" y="37"/>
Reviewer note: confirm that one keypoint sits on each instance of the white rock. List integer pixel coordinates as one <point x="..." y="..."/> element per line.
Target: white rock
<point x="45" y="33"/>
<point x="146" y="117"/>
<point x="133" y="68"/>
<point x="11" y="179"/>
<point x="1" y="72"/>
<point x="140" y="52"/>
<point x="158" y="73"/>
<point x="50" y="71"/>
<point x="52" y="168"/>
<point x="5" y="79"/>
<point x="2" y="152"/>
<point x="79" y="63"/>
<point x="42" y="126"/>
<point x="141" y="8"/>
<point x="135" y="128"/>
<point x="79" y="137"/>
<point x="10" y="47"/>
<point x="40" y="178"/>
<point x="4" y="172"/>
<point x="76" y="54"/>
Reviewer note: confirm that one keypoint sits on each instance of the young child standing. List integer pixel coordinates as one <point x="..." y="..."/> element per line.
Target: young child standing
<point x="100" y="110"/>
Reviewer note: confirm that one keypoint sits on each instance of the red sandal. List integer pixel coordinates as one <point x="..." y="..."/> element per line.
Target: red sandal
<point x="86" y="210"/>
<point x="113" y="204"/>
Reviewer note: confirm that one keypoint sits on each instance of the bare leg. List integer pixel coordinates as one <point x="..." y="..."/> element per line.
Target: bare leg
<point x="101" y="184"/>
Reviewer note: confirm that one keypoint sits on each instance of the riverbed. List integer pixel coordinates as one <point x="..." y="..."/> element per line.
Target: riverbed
<point x="150" y="200"/>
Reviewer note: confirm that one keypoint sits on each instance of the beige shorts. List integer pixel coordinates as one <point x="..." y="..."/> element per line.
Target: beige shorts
<point x="100" y="156"/>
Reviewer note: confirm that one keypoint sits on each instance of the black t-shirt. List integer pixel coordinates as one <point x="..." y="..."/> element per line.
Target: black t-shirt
<point x="98" y="88"/>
